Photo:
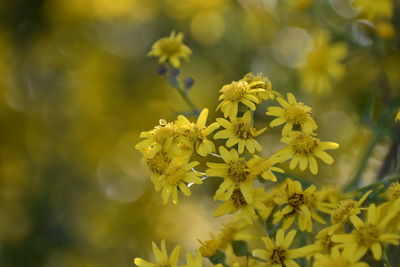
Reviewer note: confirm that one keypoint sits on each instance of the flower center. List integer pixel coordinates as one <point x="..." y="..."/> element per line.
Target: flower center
<point x="237" y="171"/>
<point x="175" y="176"/>
<point x="238" y="198"/>
<point x="344" y="210"/>
<point x="235" y="91"/>
<point x="195" y="134"/>
<point x="163" y="132"/>
<point x="297" y="113"/>
<point x="305" y="144"/>
<point x="367" y="234"/>
<point x="242" y="129"/>
<point x="278" y="255"/>
<point x="170" y="46"/>
<point x="159" y="163"/>
<point x="296" y="200"/>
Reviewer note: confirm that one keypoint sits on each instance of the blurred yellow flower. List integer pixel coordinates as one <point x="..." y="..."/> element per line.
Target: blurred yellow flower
<point x="239" y="92"/>
<point x="373" y="9"/>
<point x="209" y="248"/>
<point x="277" y="253"/>
<point x="264" y="167"/>
<point x="194" y="135"/>
<point x="292" y="113"/>
<point x="171" y="49"/>
<point x="385" y="30"/>
<point x="240" y="131"/>
<point x="161" y="257"/>
<point x="368" y="235"/>
<point x="303" y="148"/>
<point x="398" y="116"/>
<point x="176" y="176"/>
<point x="338" y="258"/>
<point x="323" y="64"/>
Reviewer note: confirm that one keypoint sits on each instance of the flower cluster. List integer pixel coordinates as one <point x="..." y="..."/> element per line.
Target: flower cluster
<point x="324" y="226"/>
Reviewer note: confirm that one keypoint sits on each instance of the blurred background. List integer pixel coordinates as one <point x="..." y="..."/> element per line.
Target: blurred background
<point x="76" y="89"/>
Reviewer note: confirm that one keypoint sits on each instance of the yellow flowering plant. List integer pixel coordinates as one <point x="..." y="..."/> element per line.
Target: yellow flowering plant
<point x="329" y="226"/>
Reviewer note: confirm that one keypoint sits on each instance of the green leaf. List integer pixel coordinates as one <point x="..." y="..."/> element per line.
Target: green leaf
<point x="240" y="248"/>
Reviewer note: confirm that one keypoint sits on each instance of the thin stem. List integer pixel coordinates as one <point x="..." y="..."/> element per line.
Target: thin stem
<point x="215" y="155"/>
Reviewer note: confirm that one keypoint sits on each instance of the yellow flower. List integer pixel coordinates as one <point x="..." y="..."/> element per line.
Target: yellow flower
<point x="385" y="30"/>
<point x="345" y="258"/>
<point x="398" y="116"/>
<point x="157" y="166"/>
<point x="194" y="135"/>
<point x="368" y="235"/>
<point x="278" y="253"/>
<point x="296" y="202"/>
<point x="193" y="261"/>
<point x="161" y="257"/>
<point x="323" y="64"/>
<point x="170" y="49"/>
<point x="239" y="92"/>
<point x="233" y="231"/>
<point x="209" y="248"/>
<point x="292" y="113"/>
<point x="372" y="9"/>
<point x="236" y="202"/>
<point x="345" y="209"/>
<point x="264" y="167"/>
<point x="240" y="131"/>
<point x="235" y="172"/>
<point x="163" y="137"/>
<point x="176" y="176"/>
<point x="267" y="86"/>
<point x="303" y="148"/>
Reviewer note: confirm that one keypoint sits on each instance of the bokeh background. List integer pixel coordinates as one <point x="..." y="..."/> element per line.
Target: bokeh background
<point x="76" y="89"/>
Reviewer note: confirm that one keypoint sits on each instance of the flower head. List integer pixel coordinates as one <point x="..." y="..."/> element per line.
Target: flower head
<point x="278" y="253"/>
<point x="194" y="135"/>
<point x="368" y="235"/>
<point x="292" y="113"/>
<point x="323" y="64"/>
<point x="177" y="175"/>
<point x="266" y="85"/>
<point x="240" y="131"/>
<point x="337" y="258"/>
<point x="161" y="256"/>
<point x="264" y="167"/>
<point x="236" y="174"/>
<point x="303" y="148"/>
<point x="239" y="92"/>
<point x="170" y="49"/>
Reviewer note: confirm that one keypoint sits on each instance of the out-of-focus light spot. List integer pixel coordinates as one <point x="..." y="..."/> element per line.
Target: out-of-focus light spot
<point x="344" y="8"/>
<point x="259" y="4"/>
<point x="121" y="176"/>
<point x="291" y="47"/>
<point x="208" y="27"/>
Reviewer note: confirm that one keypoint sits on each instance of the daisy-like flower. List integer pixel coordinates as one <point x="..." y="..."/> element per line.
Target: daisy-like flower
<point x="267" y="86"/>
<point x="240" y="131"/>
<point x="194" y="135"/>
<point x="236" y="202"/>
<point x="177" y="175"/>
<point x="161" y="256"/>
<point x="239" y="92"/>
<point x="263" y="167"/>
<point x="345" y="258"/>
<point x="235" y="172"/>
<point x="323" y="64"/>
<point x="371" y="9"/>
<point x="292" y="113"/>
<point x="303" y="148"/>
<point x="397" y="116"/>
<point x="297" y="203"/>
<point x="278" y="254"/>
<point x="368" y="235"/>
<point x="170" y="49"/>
<point x="157" y="165"/>
<point x="345" y="209"/>
<point x="163" y="137"/>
